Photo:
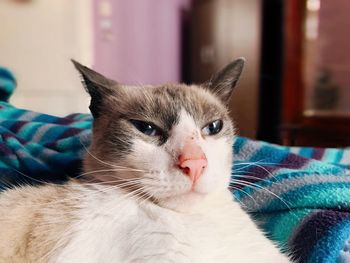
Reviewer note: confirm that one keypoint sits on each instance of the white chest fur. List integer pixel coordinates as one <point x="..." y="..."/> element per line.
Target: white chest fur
<point x="112" y="229"/>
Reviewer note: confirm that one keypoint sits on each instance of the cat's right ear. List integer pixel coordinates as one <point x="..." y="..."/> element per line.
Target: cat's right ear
<point x="223" y="82"/>
<point x="97" y="85"/>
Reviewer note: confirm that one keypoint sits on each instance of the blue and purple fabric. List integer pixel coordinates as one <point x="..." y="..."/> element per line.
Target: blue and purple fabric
<point x="299" y="196"/>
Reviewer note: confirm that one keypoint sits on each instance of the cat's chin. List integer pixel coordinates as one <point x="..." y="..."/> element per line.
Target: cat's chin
<point x="184" y="202"/>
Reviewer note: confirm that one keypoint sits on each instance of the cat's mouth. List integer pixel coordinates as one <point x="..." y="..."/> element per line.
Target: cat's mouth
<point x="182" y="202"/>
<point x="190" y="195"/>
<point x="195" y="193"/>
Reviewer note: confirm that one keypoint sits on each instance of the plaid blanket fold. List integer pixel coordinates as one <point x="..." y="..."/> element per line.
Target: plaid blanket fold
<point x="299" y="196"/>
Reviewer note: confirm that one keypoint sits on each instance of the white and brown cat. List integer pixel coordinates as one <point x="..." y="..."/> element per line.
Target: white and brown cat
<point x="154" y="187"/>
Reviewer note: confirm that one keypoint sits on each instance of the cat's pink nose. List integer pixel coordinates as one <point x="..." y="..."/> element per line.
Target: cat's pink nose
<point x="193" y="168"/>
<point x="192" y="161"/>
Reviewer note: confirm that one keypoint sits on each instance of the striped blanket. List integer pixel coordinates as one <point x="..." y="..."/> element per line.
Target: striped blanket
<point x="299" y="196"/>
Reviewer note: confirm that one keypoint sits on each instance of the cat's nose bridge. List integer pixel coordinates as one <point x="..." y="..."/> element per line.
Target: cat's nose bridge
<point x="192" y="160"/>
<point x="189" y="136"/>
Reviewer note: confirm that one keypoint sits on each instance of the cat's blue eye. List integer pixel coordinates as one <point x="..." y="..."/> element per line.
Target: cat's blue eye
<point x="146" y="128"/>
<point x="213" y="128"/>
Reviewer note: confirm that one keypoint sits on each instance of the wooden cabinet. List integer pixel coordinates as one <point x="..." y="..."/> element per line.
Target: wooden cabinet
<point x="222" y="30"/>
<point x="306" y="122"/>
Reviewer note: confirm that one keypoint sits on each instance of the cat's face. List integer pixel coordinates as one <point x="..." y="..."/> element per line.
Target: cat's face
<point x="170" y="143"/>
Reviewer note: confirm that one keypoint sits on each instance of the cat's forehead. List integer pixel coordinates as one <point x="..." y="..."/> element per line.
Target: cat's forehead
<point x="166" y="102"/>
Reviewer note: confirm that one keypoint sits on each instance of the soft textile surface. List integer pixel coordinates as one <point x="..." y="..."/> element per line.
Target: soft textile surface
<point x="7" y="84"/>
<point x="300" y="196"/>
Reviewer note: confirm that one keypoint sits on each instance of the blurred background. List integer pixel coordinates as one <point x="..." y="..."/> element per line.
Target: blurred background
<point x="295" y="89"/>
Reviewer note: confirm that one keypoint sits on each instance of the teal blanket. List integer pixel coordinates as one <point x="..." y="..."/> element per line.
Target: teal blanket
<point x="299" y="196"/>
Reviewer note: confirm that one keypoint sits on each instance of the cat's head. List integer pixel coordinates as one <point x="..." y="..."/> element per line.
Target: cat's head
<point x="170" y="143"/>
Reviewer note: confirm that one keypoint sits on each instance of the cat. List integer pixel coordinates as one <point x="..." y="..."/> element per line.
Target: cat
<point x="154" y="186"/>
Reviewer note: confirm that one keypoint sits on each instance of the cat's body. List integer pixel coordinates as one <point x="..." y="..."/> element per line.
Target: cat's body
<point x="106" y="227"/>
<point x="155" y="187"/>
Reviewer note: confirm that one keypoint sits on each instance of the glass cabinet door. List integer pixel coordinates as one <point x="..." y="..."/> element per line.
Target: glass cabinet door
<point x="326" y="66"/>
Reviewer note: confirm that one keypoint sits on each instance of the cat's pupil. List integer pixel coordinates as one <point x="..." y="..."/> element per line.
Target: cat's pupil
<point x="213" y="127"/>
<point x="146" y="127"/>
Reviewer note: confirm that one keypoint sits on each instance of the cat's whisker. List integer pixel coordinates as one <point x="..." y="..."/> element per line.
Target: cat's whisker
<point x="93" y="156"/>
<point x="240" y="201"/>
<point x="137" y="193"/>
<point x="49" y="183"/>
<point x="140" y="183"/>
<point x="143" y="176"/>
<point x="101" y="161"/>
<point x="109" y="170"/>
<point x="246" y="193"/>
<point x="95" y="192"/>
<point x="105" y="189"/>
<point x="108" y="188"/>
<point x="259" y="166"/>
<point x="68" y="232"/>
<point x="144" y="197"/>
<point x="258" y="163"/>
<point x="132" y="193"/>
<point x="263" y="168"/>
<point x="115" y="186"/>
<point x="87" y="194"/>
<point x="114" y="182"/>
<point x="94" y="181"/>
<point x="33" y="179"/>
<point x="255" y="177"/>
<point x="244" y="183"/>
<point x="246" y="172"/>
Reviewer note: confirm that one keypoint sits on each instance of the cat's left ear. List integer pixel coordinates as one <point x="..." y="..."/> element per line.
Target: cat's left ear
<point x="98" y="86"/>
<point x="223" y="82"/>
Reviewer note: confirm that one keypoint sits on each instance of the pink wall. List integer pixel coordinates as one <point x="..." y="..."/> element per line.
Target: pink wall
<point x="143" y="44"/>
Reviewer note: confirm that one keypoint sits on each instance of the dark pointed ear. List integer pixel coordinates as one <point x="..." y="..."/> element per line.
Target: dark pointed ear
<point x="223" y="82"/>
<point x="96" y="85"/>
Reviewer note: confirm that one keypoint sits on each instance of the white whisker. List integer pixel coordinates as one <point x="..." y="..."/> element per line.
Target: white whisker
<point x="244" y="183"/>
